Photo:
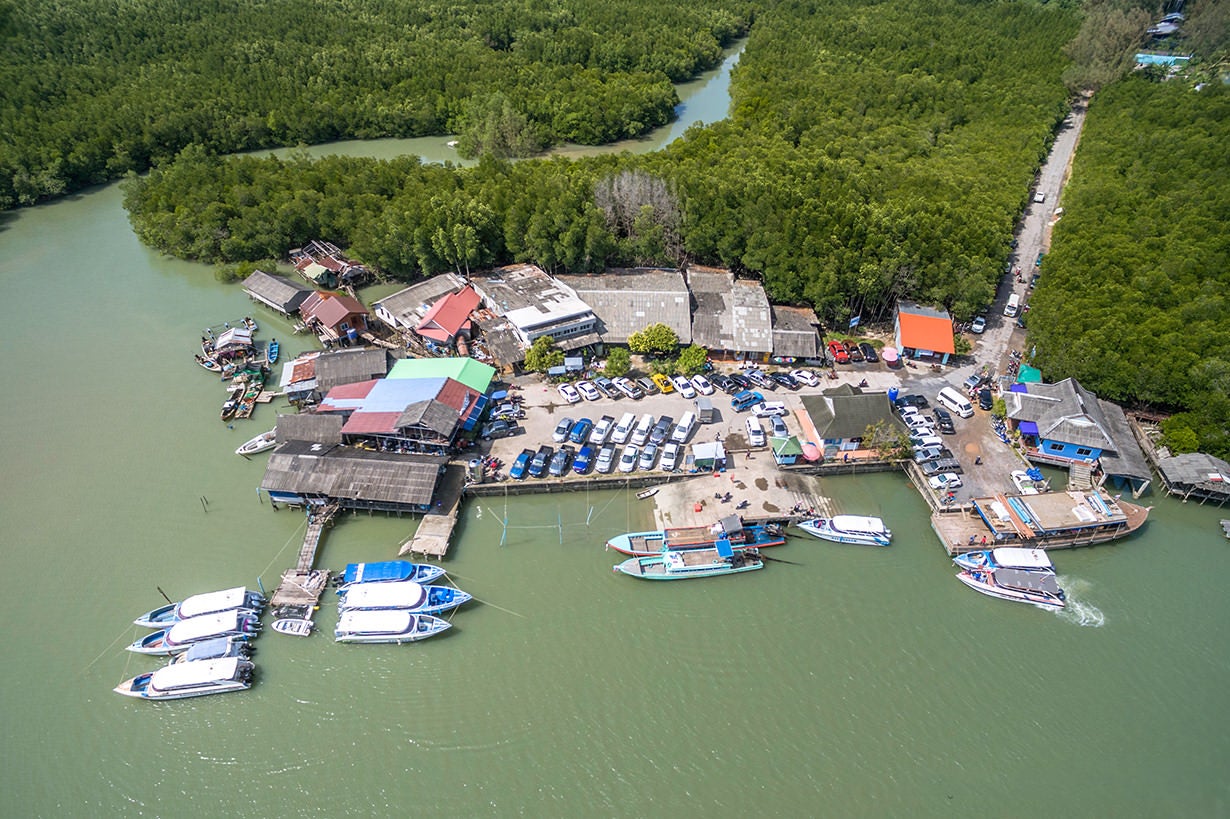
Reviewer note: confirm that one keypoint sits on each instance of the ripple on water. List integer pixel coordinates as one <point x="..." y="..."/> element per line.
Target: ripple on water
<point x="1079" y="611"/>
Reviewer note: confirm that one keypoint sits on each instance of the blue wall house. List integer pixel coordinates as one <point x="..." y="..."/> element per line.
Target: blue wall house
<point x="786" y="451"/>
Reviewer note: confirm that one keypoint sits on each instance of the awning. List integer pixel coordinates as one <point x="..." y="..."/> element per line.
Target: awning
<point x="1028" y="428"/>
<point x="811" y="452"/>
<point x="889" y="354"/>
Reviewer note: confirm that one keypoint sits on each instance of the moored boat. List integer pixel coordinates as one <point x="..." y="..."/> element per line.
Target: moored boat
<point x="208" y="363"/>
<point x="732" y="528"/>
<point x="294" y="626"/>
<point x="216" y="649"/>
<point x="405" y="595"/>
<point x="196" y="679"/>
<point x="859" y="529"/>
<point x="262" y="442"/>
<point x="689" y="563"/>
<point x="1005" y="558"/>
<point x="238" y="623"/>
<point x="198" y="604"/>
<point x="273" y="350"/>
<point x="386" y="571"/>
<point x="387" y="627"/>
<point x="1023" y="586"/>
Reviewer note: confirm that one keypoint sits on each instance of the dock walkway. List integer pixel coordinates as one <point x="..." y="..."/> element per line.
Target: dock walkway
<point x="302" y="586"/>
<point x="435" y="530"/>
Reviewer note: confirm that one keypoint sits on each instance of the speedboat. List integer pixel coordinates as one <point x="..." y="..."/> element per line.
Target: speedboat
<point x="675" y="564"/>
<point x="387" y="627"/>
<point x="849" y="529"/>
<point x="262" y="442"/>
<point x="179" y="637"/>
<point x="294" y="626"/>
<point x="218" y="648"/>
<point x="388" y="571"/>
<point x="1021" y="585"/>
<point x="197" y="679"/>
<point x="405" y="595"/>
<point x="1005" y="558"/>
<point x="273" y="351"/>
<point x="198" y="604"/>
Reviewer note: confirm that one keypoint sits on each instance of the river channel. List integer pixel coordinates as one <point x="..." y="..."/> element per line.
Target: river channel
<point x="846" y="682"/>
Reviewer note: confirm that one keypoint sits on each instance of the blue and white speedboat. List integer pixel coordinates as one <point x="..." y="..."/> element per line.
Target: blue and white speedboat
<point x="180" y="637"/>
<point x="858" y="529"/>
<point x="1021" y="585"/>
<point x="218" y="648"/>
<point x="388" y="571"/>
<point x="389" y="626"/>
<point x="404" y="595"/>
<point x="1030" y="560"/>
<point x="195" y="679"/>
<point x="198" y="604"/>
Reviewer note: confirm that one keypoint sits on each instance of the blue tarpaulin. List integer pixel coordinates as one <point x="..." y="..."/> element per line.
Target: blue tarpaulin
<point x="723" y="547"/>
<point x="1028" y="428"/>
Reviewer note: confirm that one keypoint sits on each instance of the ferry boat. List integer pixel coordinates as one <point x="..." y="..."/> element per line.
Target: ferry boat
<point x="1005" y="558"/>
<point x="198" y="604"/>
<point x="405" y="595"/>
<point x="1057" y="520"/>
<point x="387" y="627"/>
<point x="676" y="564"/>
<point x="866" y="531"/>
<point x="196" y="679"/>
<point x="731" y="527"/>
<point x="1021" y="585"/>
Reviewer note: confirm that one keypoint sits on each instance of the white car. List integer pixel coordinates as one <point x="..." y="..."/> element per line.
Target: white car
<point x="778" y="427"/>
<point x="670" y="457"/>
<point x="702" y="385"/>
<point x="766" y="408"/>
<point x="945" y="481"/>
<point x="805" y="377"/>
<point x="606" y="460"/>
<point x="648" y="456"/>
<point x="755" y="433"/>
<point x="924" y="441"/>
<point x="978" y="325"/>
<point x="684" y="387"/>
<point x="601" y="431"/>
<point x="569" y="393"/>
<point x="588" y="391"/>
<point x="627" y="460"/>
<point x="1039" y="196"/>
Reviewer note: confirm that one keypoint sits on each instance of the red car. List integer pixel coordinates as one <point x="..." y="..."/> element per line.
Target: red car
<point x="837" y="352"/>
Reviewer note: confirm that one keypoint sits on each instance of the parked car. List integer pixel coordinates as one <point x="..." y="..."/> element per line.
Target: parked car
<point x="973" y="382"/>
<point x="919" y="401"/>
<point x="852" y="350"/>
<point x="742" y="401"/>
<point x="579" y="433"/>
<point x="569" y="393"/>
<point x="785" y="380"/>
<point x="601" y="430"/>
<point x="837" y="352"/>
<point x="702" y="385"/>
<point x="625" y="386"/>
<point x="588" y="391"/>
<point x="649" y="456"/>
<point x="723" y="383"/>
<point x="928" y="453"/>
<point x="664" y="383"/>
<point x="805" y="377"/>
<point x="978" y="325"/>
<point x="647" y="385"/>
<point x="561" y="461"/>
<point x="944" y="422"/>
<point x="607" y="387"/>
<point x="1039" y="196"/>
<point x="924" y="441"/>
<point x="985" y="399"/>
<point x="670" y="457"/>
<point x="538" y="464"/>
<point x="627" y="459"/>
<point x="508" y="411"/>
<point x="761" y="380"/>
<point x="661" y="429"/>
<point x="945" y="481"/>
<point x="583" y="461"/>
<point x="755" y="432"/>
<point x="520" y="465"/>
<point x="740" y="381"/>
<point x="778" y="427"/>
<point x="498" y="429"/>
<point x="920" y="425"/>
<point x="684" y="387"/>
<point x="766" y="408"/>
<point x="606" y="459"/>
<point x="869" y="352"/>
<point x="561" y="430"/>
<point x="941" y="415"/>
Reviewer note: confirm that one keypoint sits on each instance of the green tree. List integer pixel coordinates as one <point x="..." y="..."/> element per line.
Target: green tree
<point x="656" y="338"/>
<point x="543" y="355"/>
<point x="663" y="366"/>
<point x="961" y="345"/>
<point x="618" y="362"/>
<point x="692" y="359"/>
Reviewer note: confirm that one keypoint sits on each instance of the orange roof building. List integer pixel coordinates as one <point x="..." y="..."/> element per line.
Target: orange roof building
<point x="925" y="330"/>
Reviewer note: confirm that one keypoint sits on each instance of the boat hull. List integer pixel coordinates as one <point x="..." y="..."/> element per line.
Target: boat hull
<point x="138" y="688"/>
<point x="420" y="627"/>
<point x="439" y="600"/>
<point x="294" y="626"/>
<point x="261" y="443"/>
<point x="390" y="571"/>
<point x="821" y="528"/>
<point x="650" y="544"/>
<point x="656" y="568"/>
<point x="1015" y="595"/>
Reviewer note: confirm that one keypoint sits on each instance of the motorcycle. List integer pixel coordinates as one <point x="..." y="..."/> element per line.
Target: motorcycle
<point x="743" y="504"/>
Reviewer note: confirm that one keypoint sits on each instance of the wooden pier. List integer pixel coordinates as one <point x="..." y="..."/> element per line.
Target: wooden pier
<point x="302" y="586"/>
<point x="431" y="539"/>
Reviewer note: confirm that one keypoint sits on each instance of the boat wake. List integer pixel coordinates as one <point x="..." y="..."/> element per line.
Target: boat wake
<point x="1078" y="611"/>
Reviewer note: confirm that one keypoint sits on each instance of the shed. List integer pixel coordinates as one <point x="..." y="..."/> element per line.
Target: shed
<point x="311" y="427"/>
<point x="350" y="366"/>
<point x="276" y="292"/>
<point x="626" y="301"/>
<point x="925" y="330"/>
<point x="356" y="478"/>
<point x="796" y="333"/>
<point x="709" y="456"/>
<point x="786" y="451"/>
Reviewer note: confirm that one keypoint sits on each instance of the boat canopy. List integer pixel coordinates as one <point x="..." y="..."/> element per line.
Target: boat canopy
<point x="723" y="547"/>
<point x="1015" y="558"/>
<point x="192" y="675"/>
<point x="208" y="649"/>
<point x="384" y="570"/>
<point x="1031" y="581"/>
<point x="199" y="628"/>
<point x="375" y="622"/>
<point x="858" y="523"/>
<point x="403" y="594"/>
<point x="211" y="602"/>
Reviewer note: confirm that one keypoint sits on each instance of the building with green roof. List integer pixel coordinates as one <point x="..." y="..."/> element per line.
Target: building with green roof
<point x="474" y="374"/>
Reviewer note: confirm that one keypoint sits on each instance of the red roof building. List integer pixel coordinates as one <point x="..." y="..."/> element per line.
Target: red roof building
<point x="925" y="330"/>
<point x="333" y="315"/>
<point x="449" y="317"/>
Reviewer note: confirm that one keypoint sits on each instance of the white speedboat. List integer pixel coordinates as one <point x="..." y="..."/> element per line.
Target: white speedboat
<point x="198" y="604"/>
<point x="404" y="594"/>
<point x="1021" y="585"/>
<point x="196" y="679"/>
<point x="849" y="529"/>
<point x="1035" y="560"/>
<point x="262" y="442"/>
<point x="387" y="627"/>
<point x="178" y="638"/>
<point x="294" y="626"/>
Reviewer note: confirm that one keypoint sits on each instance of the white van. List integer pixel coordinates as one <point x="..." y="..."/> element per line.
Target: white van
<point x="624" y="428"/>
<point x="684" y="428"/>
<point x="955" y="402"/>
<point x="755" y="432"/>
<point x="641" y="434"/>
<point x="1013" y="306"/>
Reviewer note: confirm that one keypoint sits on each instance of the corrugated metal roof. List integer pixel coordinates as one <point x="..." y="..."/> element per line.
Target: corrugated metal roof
<point x="310" y="426"/>
<point x="925" y="328"/>
<point x="343" y="473"/>
<point x="843" y="412"/>
<point x="348" y="366"/>
<point x="406" y="308"/>
<point x="277" y="291"/>
<point x="629" y="301"/>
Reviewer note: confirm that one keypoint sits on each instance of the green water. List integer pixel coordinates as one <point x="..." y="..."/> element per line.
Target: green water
<point x="859" y="682"/>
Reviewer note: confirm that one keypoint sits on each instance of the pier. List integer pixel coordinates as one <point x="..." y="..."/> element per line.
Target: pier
<point x="302" y="585"/>
<point x="435" y="530"/>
